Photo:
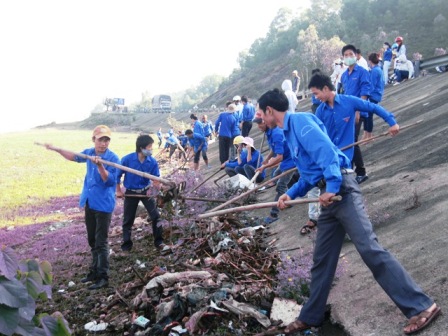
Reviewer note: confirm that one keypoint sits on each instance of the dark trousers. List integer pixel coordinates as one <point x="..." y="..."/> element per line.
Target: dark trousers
<point x="349" y="216"/>
<point x="358" y="162"/>
<point x="97" y="225"/>
<point x="129" y="210"/>
<point x="247" y="126"/>
<point x="224" y="147"/>
<point x="281" y="188"/>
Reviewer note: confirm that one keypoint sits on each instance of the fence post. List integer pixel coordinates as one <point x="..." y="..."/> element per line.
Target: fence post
<point x="417" y="69"/>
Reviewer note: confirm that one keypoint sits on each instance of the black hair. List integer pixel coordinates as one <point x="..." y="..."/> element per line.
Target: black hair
<point x="188" y="132"/>
<point x="387" y="43"/>
<point x="358" y="51"/>
<point x="373" y="57"/>
<point x="319" y="80"/>
<point x="228" y="103"/>
<point x="349" y="47"/>
<point x="275" y="99"/>
<point x="314" y="71"/>
<point x="142" y="142"/>
<point x="244" y="99"/>
<point x="193" y="116"/>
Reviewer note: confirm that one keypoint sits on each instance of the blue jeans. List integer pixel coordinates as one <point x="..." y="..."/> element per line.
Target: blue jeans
<point x="349" y="216"/>
<point x="97" y="225"/>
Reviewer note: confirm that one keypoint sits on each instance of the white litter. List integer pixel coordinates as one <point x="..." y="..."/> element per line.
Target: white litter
<point x="93" y="326"/>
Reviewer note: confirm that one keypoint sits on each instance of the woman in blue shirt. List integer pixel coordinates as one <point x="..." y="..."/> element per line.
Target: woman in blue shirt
<point x="387" y="58"/>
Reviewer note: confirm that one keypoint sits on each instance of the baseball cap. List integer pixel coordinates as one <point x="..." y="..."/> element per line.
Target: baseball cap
<point x="102" y="131"/>
<point x="258" y="119"/>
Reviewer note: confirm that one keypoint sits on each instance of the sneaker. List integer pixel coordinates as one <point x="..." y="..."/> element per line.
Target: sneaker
<point x="361" y="178"/>
<point x="99" y="284"/>
<point x="395" y="84"/>
<point x="270" y="219"/>
<point x="89" y="277"/>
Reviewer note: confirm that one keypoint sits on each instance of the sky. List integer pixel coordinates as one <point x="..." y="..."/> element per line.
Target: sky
<point x="61" y="58"/>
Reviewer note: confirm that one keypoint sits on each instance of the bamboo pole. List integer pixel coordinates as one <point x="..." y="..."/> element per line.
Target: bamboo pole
<point x="378" y="136"/>
<point x="253" y="190"/>
<point x="113" y="164"/>
<point x="262" y="206"/>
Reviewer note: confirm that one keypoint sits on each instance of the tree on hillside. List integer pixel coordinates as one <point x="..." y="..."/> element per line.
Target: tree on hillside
<point x="329" y="51"/>
<point x="308" y="41"/>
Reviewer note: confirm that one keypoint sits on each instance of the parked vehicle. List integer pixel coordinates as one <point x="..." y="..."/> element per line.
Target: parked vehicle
<point x="161" y="104"/>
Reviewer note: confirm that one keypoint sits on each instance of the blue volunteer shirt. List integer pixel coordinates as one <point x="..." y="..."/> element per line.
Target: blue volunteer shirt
<point x="198" y="127"/>
<point x="339" y="121"/>
<point x="197" y="141"/>
<point x="377" y="83"/>
<point x="208" y="128"/>
<point x="172" y="140"/>
<point x="183" y="139"/>
<point x="133" y="181"/>
<point x="253" y="162"/>
<point x="356" y="83"/>
<point x="234" y="163"/>
<point x="99" y="194"/>
<point x="314" y="100"/>
<point x="387" y="56"/>
<point x="248" y="112"/>
<point x="278" y="145"/>
<point x="225" y="124"/>
<point x="236" y="128"/>
<point x="314" y="154"/>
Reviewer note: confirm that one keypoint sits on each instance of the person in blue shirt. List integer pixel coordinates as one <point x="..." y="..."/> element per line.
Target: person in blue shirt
<point x="98" y="200"/>
<point x="141" y="160"/>
<point x="376" y="92"/>
<point x="208" y="127"/>
<point x="314" y="101"/>
<point x="356" y="82"/>
<point x="280" y="156"/>
<point x="387" y="58"/>
<point x="173" y="144"/>
<point x="196" y="125"/>
<point x="183" y="142"/>
<point x="322" y="164"/>
<point x="247" y="161"/>
<point x="199" y="145"/>
<point x="247" y="115"/>
<point x="224" y="126"/>
<point x="159" y="136"/>
<point x="338" y="113"/>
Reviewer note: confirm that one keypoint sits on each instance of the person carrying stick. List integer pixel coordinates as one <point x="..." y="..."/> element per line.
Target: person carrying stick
<point x="135" y="185"/>
<point x="98" y="200"/>
<point x="322" y="164"/>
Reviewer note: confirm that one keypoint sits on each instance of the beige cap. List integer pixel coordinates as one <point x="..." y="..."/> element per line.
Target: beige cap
<point x="102" y="131"/>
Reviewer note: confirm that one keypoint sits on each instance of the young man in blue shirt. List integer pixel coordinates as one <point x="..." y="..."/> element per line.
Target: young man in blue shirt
<point x="322" y="164"/>
<point x="224" y="126"/>
<point x="338" y="112"/>
<point x="247" y="115"/>
<point x="98" y="200"/>
<point x="197" y="126"/>
<point x="141" y="160"/>
<point x="199" y="145"/>
<point x="356" y="82"/>
<point x="279" y="155"/>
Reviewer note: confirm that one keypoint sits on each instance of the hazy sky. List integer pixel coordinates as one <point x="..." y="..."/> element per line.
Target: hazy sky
<point x="61" y="58"/>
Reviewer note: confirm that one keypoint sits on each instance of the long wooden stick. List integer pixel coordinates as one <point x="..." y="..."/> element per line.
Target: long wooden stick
<point x="378" y="136"/>
<point x="225" y="174"/>
<point x="113" y="164"/>
<point x="263" y="205"/>
<point x="253" y="190"/>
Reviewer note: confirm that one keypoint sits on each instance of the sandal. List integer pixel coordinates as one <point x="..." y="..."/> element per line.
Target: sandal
<point x="309" y="227"/>
<point x="422" y="320"/>
<point x="296" y="326"/>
